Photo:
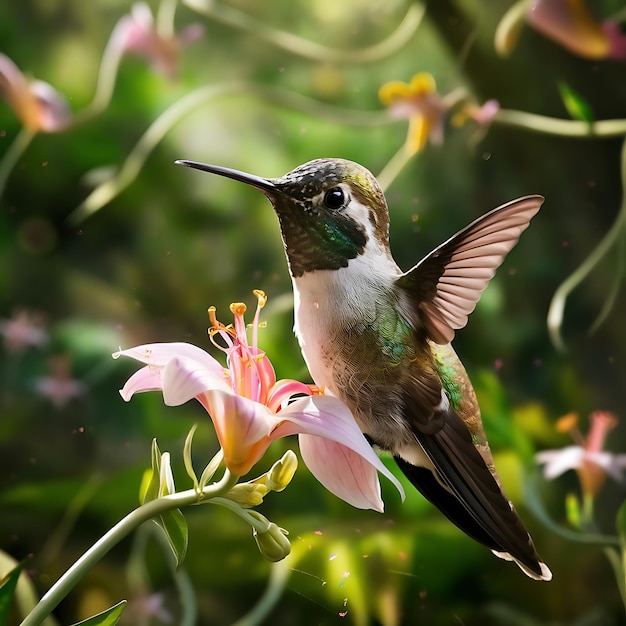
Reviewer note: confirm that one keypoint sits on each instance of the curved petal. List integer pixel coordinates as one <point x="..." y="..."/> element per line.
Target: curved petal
<point x="342" y="471"/>
<point x="146" y="379"/>
<point x="184" y="379"/>
<point x="159" y="354"/>
<point x="242" y="426"/>
<point x="557" y="462"/>
<point x="612" y="464"/>
<point x="328" y="417"/>
<point x="284" y="389"/>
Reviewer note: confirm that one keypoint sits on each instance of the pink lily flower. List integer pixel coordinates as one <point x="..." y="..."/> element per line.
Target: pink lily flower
<point x="60" y="388"/>
<point x="38" y="105"/>
<point x="250" y="409"/>
<point x="570" y="23"/>
<point x="138" y="34"/>
<point x="22" y="330"/>
<point x="591" y="462"/>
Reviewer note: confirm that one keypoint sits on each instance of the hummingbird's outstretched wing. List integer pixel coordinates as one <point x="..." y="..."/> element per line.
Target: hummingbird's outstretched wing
<point x="446" y="285"/>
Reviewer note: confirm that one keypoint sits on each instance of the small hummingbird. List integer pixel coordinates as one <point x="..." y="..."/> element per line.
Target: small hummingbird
<point x="379" y="338"/>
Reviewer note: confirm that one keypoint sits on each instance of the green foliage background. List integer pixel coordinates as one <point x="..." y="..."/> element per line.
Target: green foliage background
<point x="146" y="267"/>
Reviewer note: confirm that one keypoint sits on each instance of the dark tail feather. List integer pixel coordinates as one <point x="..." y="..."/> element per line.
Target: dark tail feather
<point x="481" y="530"/>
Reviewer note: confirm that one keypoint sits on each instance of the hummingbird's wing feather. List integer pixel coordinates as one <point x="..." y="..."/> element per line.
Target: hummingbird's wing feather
<point x="445" y="286"/>
<point x="467" y="493"/>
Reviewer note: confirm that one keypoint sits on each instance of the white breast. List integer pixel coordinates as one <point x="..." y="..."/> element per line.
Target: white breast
<point x="325" y="301"/>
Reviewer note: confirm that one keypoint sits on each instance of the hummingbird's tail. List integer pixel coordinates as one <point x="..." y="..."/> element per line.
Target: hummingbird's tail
<point x="468" y="495"/>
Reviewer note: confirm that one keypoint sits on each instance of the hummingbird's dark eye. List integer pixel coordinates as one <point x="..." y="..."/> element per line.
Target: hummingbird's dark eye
<point x="335" y="198"/>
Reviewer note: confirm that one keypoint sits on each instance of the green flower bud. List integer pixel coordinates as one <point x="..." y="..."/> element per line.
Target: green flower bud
<point x="282" y="471"/>
<point x="248" y="495"/>
<point x="273" y="543"/>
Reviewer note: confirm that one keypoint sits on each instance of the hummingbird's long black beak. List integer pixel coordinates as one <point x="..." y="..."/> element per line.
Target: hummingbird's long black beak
<point x="263" y="184"/>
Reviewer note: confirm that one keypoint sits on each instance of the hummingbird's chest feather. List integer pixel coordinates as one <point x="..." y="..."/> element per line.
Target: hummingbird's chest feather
<point x="358" y="346"/>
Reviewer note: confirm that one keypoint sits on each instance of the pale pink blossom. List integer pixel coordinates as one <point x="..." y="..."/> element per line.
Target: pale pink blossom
<point x="591" y="462"/>
<point x="138" y="34"/>
<point x="60" y="388"/>
<point x="250" y="409"/>
<point x="24" y="329"/>
<point x="38" y="105"/>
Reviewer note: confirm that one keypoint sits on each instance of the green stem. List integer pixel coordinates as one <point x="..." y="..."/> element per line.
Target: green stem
<point x="107" y="76"/>
<point x="617" y="564"/>
<point x="165" y="18"/>
<point x="279" y="575"/>
<point x="556" y="126"/>
<point x="256" y="523"/>
<point x="534" y="503"/>
<point x="11" y="156"/>
<point x="299" y="46"/>
<point x="557" y="306"/>
<point x="394" y="166"/>
<point x="108" y="190"/>
<point x="123" y="528"/>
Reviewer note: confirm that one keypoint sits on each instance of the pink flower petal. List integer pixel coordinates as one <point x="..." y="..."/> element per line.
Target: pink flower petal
<point x="146" y="379"/>
<point x="159" y="354"/>
<point x="328" y="417"/>
<point x="242" y="426"/>
<point x="185" y="379"/>
<point x="54" y="112"/>
<point x="612" y="464"/>
<point x="557" y="462"/>
<point x="342" y="471"/>
<point x="284" y="389"/>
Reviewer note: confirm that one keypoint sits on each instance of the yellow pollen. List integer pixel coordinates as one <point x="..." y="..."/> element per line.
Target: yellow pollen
<point x="238" y="308"/>
<point x="260" y="297"/>
<point x="567" y="423"/>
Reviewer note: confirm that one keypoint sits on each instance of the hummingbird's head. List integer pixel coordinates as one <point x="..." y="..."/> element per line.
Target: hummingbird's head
<point x="330" y="211"/>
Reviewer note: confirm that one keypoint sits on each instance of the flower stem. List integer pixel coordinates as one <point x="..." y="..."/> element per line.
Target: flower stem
<point x="617" y="564"/>
<point x="123" y="528"/>
<point x="15" y="151"/>
<point x="308" y="49"/>
<point x="279" y="575"/>
<point x="557" y="306"/>
<point x="104" y="193"/>
<point x="394" y="166"/>
<point x="556" y="126"/>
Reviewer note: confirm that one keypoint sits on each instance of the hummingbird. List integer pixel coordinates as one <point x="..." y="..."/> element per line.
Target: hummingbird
<point x="379" y="338"/>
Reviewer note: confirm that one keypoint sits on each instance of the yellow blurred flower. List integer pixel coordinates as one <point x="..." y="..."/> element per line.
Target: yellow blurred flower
<point x="419" y="102"/>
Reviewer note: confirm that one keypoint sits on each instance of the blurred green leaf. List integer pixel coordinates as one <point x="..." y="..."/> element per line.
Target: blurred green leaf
<point x="110" y="617"/>
<point x="7" y="591"/>
<point x="577" y="107"/>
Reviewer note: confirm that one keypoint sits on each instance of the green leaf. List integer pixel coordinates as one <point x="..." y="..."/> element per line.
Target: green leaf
<point x="620" y="565"/>
<point x="187" y="457"/>
<point x="174" y="526"/>
<point x="150" y="486"/>
<point x="621" y="524"/>
<point x="7" y="591"/>
<point x="577" y="107"/>
<point x="110" y="617"/>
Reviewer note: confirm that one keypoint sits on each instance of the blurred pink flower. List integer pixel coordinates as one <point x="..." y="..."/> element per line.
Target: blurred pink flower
<point x="37" y="104"/>
<point x="137" y="34"/>
<point x="250" y="409"/>
<point x="22" y="330"/>
<point x="591" y="462"/>
<point x="570" y="23"/>
<point x="60" y="388"/>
